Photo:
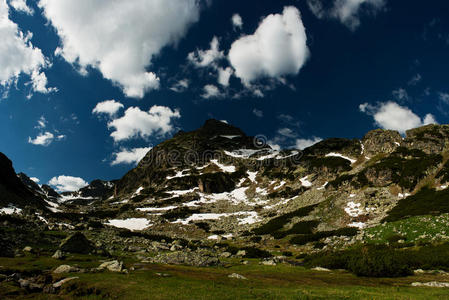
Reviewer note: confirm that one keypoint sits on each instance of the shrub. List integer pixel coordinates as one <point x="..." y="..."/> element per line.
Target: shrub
<point x="252" y="252"/>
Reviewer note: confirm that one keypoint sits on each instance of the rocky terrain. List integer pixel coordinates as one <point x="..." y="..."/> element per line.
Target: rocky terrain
<point x="215" y="195"/>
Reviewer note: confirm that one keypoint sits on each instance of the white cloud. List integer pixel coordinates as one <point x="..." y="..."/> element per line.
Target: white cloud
<point x="18" y="55"/>
<point x="302" y="144"/>
<point x="41" y="123"/>
<point x="211" y="91"/>
<point x="224" y="75"/>
<point x="287" y="132"/>
<point x="180" y="86"/>
<point x="346" y="11"/>
<point x="43" y="139"/>
<point x="120" y="38"/>
<point x="237" y="21"/>
<point x="277" y="48"/>
<point x="108" y="107"/>
<point x="21" y="6"/>
<point x="207" y="58"/>
<point x="137" y="123"/>
<point x="35" y="179"/>
<point x="129" y="156"/>
<point x="400" y="94"/>
<point x="444" y="97"/>
<point x="258" y="113"/>
<point x="390" y="115"/>
<point x="67" y="183"/>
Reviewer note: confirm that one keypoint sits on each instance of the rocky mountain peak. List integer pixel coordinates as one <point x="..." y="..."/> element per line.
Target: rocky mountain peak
<point x="381" y="141"/>
<point x="215" y="127"/>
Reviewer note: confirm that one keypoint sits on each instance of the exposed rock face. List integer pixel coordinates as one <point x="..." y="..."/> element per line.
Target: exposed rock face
<point x="381" y="141"/>
<point x="50" y="192"/>
<point x="430" y="139"/>
<point x="113" y="266"/>
<point x="77" y="243"/>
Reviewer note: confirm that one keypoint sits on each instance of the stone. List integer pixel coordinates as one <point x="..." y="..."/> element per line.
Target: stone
<point x="113" y="266"/>
<point x="28" y="249"/>
<point x="237" y="276"/>
<point x="58" y="255"/>
<point x="269" y="262"/>
<point x="65" y="269"/>
<point x="61" y="282"/>
<point x="432" y="284"/>
<point x="77" y="243"/>
<point x="199" y="258"/>
<point x="226" y="254"/>
<point x="241" y="253"/>
<point x="321" y="269"/>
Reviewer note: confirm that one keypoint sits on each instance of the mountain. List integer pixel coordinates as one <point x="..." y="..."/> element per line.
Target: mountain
<point x="96" y="190"/>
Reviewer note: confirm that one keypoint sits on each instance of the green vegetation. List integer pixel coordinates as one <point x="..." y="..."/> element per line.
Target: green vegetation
<point x="426" y="201"/>
<point x="305" y="227"/>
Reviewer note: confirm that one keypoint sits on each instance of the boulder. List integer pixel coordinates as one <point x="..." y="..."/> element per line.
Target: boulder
<point x="58" y="255"/>
<point x="237" y="276"/>
<point x="113" y="266"/>
<point x="77" y="243"/>
<point x="61" y="282"/>
<point x="65" y="269"/>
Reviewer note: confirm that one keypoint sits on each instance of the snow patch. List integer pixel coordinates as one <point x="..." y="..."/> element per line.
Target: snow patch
<point x="131" y="223"/>
<point x="305" y="182"/>
<point x="359" y="225"/>
<point x="333" y="154"/>
<point x="156" y="208"/>
<point x="10" y="210"/>
<point x="252" y="176"/>
<point x="229" y="169"/>
<point x="353" y="209"/>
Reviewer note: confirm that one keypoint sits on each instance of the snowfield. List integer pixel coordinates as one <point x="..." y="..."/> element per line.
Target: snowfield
<point x="131" y="223"/>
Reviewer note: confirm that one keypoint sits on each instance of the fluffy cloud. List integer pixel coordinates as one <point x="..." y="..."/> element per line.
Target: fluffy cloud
<point x="211" y="91"/>
<point x="277" y="48"/>
<point x="390" y="115"/>
<point x="118" y="37"/>
<point x="138" y="123"/>
<point x="21" y="6"/>
<point x="19" y="56"/>
<point x="108" y="107"/>
<point x="180" y="86"/>
<point x="43" y="139"/>
<point x="224" y="75"/>
<point x="302" y="144"/>
<point x="237" y="21"/>
<point x="67" y="183"/>
<point x="41" y="123"/>
<point x="207" y="58"/>
<point x="129" y="156"/>
<point x="346" y="11"/>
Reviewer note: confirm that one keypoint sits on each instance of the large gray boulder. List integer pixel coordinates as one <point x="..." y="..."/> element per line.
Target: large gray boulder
<point x="77" y="243"/>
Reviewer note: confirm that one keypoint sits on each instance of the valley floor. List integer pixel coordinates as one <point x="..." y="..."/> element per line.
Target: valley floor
<point x="153" y="281"/>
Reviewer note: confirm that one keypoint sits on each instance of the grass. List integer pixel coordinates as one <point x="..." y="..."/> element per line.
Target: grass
<point x="264" y="282"/>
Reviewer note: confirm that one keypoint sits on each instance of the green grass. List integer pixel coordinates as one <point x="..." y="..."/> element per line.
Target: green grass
<point x="414" y="229"/>
<point x="264" y="282"/>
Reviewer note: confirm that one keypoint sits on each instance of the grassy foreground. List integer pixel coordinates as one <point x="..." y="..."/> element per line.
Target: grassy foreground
<point x="263" y="282"/>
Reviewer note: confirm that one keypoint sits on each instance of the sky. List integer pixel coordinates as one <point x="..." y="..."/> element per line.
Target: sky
<point x="88" y="87"/>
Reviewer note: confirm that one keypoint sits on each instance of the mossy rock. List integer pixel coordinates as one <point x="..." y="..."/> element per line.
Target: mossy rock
<point x="77" y="243"/>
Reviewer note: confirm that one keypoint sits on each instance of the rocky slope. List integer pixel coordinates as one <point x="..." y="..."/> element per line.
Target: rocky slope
<point x="216" y="183"/>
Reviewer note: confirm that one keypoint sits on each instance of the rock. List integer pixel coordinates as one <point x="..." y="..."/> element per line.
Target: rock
<point x="321" y="269"/>
<point x="381" y="141"/>
<point x="113" y="266"/>
<point x="269" y="262"/>
<point x="244" y="262"/>
<point x="65" y="269"/>
<point x="77" y="243"/>
<point x="163" y="274"/>
<point x="226" y="254"/>
<point x="199" y="258"/>
<point x="241" y="253"/>
<point x="27" y="249"/>
<point x="432" y="284"/>
<point x="61" y="282"/>
<point x="58" y="255"/>
<point x="30" y="286"/>
<point x="237" y="276"/>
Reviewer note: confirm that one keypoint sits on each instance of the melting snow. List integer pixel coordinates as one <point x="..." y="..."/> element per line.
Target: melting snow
<point x="342" y="156"/>
<point x="137" y="192"/>
<point x="180" y="193"/>
<point x="281" y="184"/>
<point x="131" y="223"/>
<point x="353" y="209"/>
<point x="241" y="153"/>
<point x="230" y="169"/>
<point x="156" y="208"/>
<point x="400" y="195"/>
<point x="178" y="175"/>
<point x="251" y="217"/>
<point x="230" y="136"/>
<point x="305" y="182"/>
<point x="252" y="176"/>
<point x="10" y="210"/>
<point x="359" y="225"/>
<point x="323" y="186"/>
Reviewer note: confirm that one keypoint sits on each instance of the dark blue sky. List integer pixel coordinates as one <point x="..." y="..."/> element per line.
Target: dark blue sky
<point x="373" y="63"/>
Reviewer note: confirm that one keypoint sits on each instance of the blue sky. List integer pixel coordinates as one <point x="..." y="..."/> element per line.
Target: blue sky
<point x="294" y="71"/>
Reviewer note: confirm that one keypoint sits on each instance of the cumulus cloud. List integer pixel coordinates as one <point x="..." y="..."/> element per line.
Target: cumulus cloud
<point x="21" y="6"/>
<point x="346" y="11"/>
<point x="224" y="75"/>
<point x="19" y="56"/>
<point x="207" y="58"/>
<point x="237" y="21"/>
<point x="302" y="144"/>
<point x="390" y="115"/>
<point x="277" y="48"/>
<point x="43" y="139"/>
<point x="108" y="107"/>
<point x="258" y="113"/>
<point x="211" y="91"/>
<point x="137" y="123"/>
<point x="129" y="156"/>
<point x="120" y="38"/>
<point x="67" y="183"/>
